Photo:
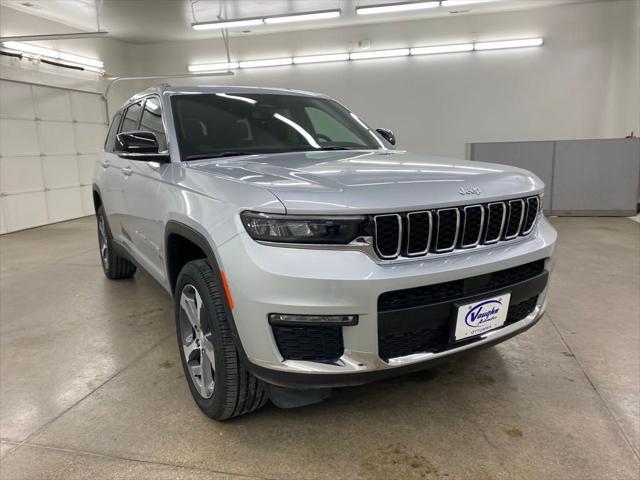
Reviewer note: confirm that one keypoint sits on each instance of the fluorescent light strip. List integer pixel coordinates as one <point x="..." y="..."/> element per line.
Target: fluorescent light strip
<point x="464" y="47"/>
<point x="272" y="62"/>
<point x="457" y="3"/>
<point x="398" y="52"/>
<point x="247" y="22"/>
<point x="25" y="47"/>
<point x="213" y="67"/>
<point x="331" y="57"/>
<point x="396" y="7"/>
<point x="70" y="59"/>
<point x="303" y="17"/>
<point x="528" y="42"/>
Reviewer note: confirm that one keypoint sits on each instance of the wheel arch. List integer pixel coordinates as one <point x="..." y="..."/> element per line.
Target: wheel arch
<point x="178" y="229"/>
<point x="178" y="234"/>
<point x="97" y="198"/>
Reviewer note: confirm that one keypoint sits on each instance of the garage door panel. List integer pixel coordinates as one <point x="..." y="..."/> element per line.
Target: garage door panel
<point x="16" y="100"/>
<point x="60" y="171"/>
<point x="90" y="137"/>
<point x="57" y="138"/>
<point x="87" y="199"/>
<point x="49" y="141"/>
<point x="18" y="137"/>
<point x="64" y="204"/>
<point x="25" y="210"/>
<point x="88" y="107"/>
<point x="20" y="174"/>
<point x="87" y="166"/>
<point x="53" y="104"/>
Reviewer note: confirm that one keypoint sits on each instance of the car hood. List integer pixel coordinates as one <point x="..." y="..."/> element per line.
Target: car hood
<point x="372" y="181"/>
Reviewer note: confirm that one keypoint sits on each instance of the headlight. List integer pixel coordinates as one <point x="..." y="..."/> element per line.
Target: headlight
<point x="302" y="229"/>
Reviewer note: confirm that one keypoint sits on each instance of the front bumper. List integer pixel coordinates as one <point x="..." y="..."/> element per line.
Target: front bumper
<point x="265" y="279"/>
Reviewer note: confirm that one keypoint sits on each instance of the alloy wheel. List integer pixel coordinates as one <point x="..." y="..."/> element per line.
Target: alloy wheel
<point x="196" y="340"/>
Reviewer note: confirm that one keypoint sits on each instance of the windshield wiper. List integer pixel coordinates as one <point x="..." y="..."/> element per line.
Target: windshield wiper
<point x="231" y="153"/>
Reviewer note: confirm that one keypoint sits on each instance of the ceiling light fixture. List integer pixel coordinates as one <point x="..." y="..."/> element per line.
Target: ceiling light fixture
<point x="331" y="57"/>
<point x="457" y="3"/>
<point x="396" y="7"/>
<point x="70" y="57"/>
<point x="527" y="42"/>
<point x="26" y="48"/>
<point x="214" y="67"/>
<point x="364" y="55"/>
<point x="59" y="58"/>
<point x="271" y="62"/>
<point x="303" y="17"/>
<point x="398" y="52"/>
<point x="463" y="47"/>
<point x="245" y="22"/>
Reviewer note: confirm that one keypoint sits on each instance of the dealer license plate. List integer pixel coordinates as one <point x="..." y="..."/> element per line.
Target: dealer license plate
<point x="482" y="316"/>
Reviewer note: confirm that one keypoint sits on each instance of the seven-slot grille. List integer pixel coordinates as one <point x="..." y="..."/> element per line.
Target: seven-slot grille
<point x="439" y="231"/>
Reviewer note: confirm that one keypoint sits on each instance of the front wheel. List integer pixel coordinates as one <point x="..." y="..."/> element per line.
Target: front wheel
<point x="219" y="383"/>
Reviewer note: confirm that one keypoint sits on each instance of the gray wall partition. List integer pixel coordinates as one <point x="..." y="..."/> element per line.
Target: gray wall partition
<point x="583" y="177"/>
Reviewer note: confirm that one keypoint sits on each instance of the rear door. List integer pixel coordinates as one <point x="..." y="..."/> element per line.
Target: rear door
<point x="109" y="176"/>
<point x="119" y="171"/>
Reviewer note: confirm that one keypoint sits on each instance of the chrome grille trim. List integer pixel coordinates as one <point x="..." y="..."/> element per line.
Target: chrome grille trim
<point x="402" y="244"/>
<point x="533" y="224"/>
<point x="519" y="200"/>
<point x="455" y="238"/>
<point x="502" y="223"/>
<point x="464" y="226"/>
<point x="423" y="252"/>
<point x="399" y="240"/>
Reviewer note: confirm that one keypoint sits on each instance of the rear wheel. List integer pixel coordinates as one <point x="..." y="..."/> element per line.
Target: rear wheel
<point x="113" y="266"/>
<point x="219" y="383"/>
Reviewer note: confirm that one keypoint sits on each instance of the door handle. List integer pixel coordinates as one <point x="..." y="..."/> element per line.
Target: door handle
<point x="127" y="171"/>
<point x="106" y="163"/>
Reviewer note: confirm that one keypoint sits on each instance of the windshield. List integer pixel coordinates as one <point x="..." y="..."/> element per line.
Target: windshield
<point x="221" y="124"/>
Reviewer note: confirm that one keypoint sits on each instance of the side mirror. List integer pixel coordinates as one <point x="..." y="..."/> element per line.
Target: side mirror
<point x="387" y="134"/>
<point x="139" y="146"/>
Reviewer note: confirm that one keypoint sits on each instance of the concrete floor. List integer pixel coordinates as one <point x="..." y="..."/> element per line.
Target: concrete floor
<point x="91" y="384"/>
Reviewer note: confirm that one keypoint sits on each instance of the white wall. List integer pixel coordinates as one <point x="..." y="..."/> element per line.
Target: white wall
<point x="583" y="83"/>
<point x="113" y="53"/>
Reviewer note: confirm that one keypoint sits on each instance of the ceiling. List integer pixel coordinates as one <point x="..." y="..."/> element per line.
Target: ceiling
<point x="144" y="21"/>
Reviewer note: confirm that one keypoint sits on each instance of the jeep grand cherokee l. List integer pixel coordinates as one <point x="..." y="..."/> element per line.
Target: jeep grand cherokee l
<point x="303" y="252"/>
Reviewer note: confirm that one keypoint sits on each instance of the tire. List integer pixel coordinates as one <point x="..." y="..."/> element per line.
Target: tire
<point x="219" y="382"/>
<point x="113" y="266"/>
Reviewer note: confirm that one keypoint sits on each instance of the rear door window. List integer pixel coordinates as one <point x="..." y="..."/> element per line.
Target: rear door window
<point x="113" y="129"/>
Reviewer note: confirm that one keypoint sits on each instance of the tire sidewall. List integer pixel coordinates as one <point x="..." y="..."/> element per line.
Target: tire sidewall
<point x="100" y="214"/>
<point x="191" y="274"/>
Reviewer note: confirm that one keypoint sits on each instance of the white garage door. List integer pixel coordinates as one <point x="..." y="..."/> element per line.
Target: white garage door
<point x="49" y="139"/>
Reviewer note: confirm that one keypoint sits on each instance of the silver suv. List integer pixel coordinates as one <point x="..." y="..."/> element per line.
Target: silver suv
<point x="303" y="251"/>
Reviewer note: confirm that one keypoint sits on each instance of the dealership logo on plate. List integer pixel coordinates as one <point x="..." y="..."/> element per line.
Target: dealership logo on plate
<point x="482" y="313"/>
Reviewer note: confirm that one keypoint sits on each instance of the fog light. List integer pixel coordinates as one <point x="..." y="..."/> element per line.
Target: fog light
<point x="287" y="319"/>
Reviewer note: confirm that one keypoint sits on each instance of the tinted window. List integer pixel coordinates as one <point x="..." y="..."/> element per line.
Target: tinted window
<point x="222" y="124"/>
<point x="329" y="128"/>
<point x="113" y="129"/>
<point x="151" y="121"/>
<point x="130" y="122"/>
